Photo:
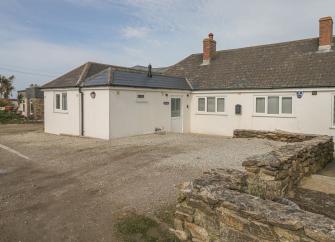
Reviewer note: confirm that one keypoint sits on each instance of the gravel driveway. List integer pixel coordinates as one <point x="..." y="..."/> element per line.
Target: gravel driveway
<point x="71" y="188"/>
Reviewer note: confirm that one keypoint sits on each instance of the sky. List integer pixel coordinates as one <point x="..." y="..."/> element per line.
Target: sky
<point x="43" y="39"/>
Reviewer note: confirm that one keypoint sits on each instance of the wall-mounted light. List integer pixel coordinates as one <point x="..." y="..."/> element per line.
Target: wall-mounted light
<point x="93" y="94"/>
<point x="166" y="94"/>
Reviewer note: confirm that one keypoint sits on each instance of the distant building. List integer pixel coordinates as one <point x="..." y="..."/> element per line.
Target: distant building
<point x="32" y="102"/>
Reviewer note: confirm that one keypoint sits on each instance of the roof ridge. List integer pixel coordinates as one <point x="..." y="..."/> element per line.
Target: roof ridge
<point x="263" y="45"/>
<point x="83" y="73"/>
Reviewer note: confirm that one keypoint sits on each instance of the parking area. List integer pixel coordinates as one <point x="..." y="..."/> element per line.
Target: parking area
<point x="62" y="188"/>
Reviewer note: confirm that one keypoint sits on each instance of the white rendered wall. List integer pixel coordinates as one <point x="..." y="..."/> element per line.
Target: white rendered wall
<point x="62" y="122"/>
<point x="96" y="113"/>
<point x="311" y="114"/>
<point x="130" y="116"/>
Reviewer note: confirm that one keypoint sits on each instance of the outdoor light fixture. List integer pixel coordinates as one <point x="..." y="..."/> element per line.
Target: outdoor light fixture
<point x="92" y="94"/>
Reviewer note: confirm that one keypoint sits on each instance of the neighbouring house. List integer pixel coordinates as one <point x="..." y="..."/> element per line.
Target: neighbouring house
<point x="288" y="86"/>
<point x="32" y="102"/>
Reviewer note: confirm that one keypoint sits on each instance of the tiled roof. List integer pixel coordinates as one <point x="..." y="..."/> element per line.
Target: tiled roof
<point x="79" y="74"/>
<point x="295" y="64"/>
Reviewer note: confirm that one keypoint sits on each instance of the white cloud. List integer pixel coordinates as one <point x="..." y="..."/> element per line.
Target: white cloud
<point x="135" y="32"/>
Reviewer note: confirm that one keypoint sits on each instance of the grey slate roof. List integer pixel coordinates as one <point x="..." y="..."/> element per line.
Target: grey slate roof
<point x="295" y="64"/>
<point x="77" y="75"/>
<point x="135" y="79"/>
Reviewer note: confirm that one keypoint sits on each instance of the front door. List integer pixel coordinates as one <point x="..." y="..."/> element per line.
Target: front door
<point x="176" y="115"/>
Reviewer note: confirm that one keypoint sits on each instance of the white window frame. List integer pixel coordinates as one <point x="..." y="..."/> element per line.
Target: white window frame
<point x="332" y="119"/>
<point x="280" y="114"/>
<point x="216" y="105"/>
<point x="60" y="109"/>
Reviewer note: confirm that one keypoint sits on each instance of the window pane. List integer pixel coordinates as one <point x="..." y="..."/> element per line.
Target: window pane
<point x="260" y="105"/>
<point x="64" y="101"/>
<point x="273" y="105"/>
<point x="286" y="105"/>
<point x="57" y="101"/>
<point x="201" y="104"/>
<point x="175" y="107"/>
<point x="220" y="104"/>
<point x="210" y="104"/>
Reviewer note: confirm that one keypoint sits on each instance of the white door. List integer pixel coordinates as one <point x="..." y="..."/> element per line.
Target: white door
<point x="176" y="115"/>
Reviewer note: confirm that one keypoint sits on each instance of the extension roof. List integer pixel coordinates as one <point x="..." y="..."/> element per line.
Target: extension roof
<point x="294" y="64"/>
<point x="122" y="78"/>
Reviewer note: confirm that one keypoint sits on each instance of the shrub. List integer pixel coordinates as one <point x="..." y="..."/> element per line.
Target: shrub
<point x="7" y="117"/>
<point x="4" y="102"/>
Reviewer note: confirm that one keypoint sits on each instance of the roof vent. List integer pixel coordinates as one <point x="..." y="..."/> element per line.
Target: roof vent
<point x="149" y="70"/>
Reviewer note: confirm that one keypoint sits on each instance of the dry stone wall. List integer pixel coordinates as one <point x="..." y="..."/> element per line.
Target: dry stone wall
<point x="250" y="205"/>
<point x="212" y="208"/>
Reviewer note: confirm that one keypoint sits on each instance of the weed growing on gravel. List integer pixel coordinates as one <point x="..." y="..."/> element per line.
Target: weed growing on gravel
<point x="138" y="228"/>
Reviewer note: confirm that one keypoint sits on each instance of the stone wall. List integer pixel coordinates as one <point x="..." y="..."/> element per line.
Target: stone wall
<point x="38" y="105"/>
<point x="231" y="205"/>
<point x="273" y="135"/>
<point x="275" y="173"/>
<point x="212" y="208"/>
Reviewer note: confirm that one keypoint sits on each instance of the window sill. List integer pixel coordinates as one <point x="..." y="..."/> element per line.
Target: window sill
<point x="212" y="114"/>
<point x="60" y="111"/>
<point x="273" y="116"/>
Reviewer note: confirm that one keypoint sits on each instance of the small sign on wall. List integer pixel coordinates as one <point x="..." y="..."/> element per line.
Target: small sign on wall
<point x="166" y="103"/>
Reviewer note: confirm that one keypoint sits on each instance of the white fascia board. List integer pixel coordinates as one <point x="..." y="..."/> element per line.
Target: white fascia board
<point x="284" y="90"/>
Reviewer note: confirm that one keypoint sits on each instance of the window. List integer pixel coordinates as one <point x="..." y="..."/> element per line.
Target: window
<point x="220" y="104"/>
<point x="286" y="105"/>
<point x="61" y="102"/>
<point x="274" y="105"/>
<point x="64" y="101"/>
<point x="31" y="107"/>
<point x="57" y="101"/>
<point x="211" y="104"/>
<point x="201" y="104"/>
<point x="175" y="107"/>
<point x="260" y="105"/>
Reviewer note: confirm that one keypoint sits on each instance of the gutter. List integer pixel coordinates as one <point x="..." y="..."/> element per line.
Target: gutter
<point x="80" y="80"/>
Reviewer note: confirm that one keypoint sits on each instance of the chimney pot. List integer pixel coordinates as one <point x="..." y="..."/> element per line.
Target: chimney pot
<point x="326" y="33"/>
<point x="209" y="49"/>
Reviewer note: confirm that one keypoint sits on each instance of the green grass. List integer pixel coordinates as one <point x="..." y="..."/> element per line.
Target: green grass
<point x="9" y="117"/>
<point x="139" y="228"/>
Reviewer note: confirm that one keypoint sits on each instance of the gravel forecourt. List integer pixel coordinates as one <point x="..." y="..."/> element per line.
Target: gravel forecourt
<point x="72" y="188"/>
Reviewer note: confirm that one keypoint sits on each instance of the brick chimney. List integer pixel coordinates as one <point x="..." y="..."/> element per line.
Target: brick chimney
<point x="326" y="33"/>
<point x="209" y="49"/>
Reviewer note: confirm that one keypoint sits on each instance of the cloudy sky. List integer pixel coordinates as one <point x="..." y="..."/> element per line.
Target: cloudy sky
<point x="42" y="39"/>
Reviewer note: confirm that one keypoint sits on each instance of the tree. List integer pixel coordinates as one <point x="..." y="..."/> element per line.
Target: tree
<point x="6" y="86"/>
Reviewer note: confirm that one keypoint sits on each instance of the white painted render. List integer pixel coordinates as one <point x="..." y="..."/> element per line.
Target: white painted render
<point x="117" y="112"/>
<point x="311" y="113"/>
<point x="62" y="122"/>
<point x="132" y="116"/>
<point x="96" y="113"/>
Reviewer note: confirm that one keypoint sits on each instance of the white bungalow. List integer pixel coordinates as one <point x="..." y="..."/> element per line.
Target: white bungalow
<point x="288" y="86"/>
